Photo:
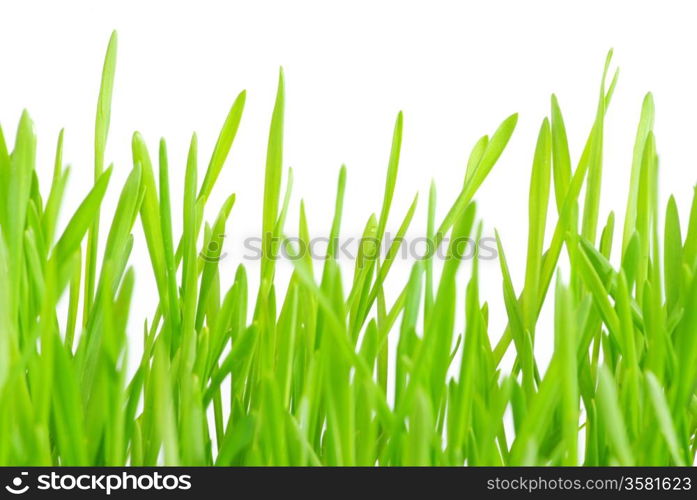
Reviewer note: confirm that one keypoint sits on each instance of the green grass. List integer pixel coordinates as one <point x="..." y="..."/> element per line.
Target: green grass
<point x="304" y="379"/>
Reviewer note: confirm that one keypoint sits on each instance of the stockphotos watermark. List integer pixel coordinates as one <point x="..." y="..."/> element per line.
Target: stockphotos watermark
<point x="98" y="483"/>
<point x="364" y="248"/>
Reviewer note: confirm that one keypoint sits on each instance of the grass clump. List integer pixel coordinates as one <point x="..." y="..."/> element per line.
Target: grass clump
<point x="309" y="370"/>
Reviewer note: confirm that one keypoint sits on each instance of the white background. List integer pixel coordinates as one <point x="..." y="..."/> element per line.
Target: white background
<point x="456" y="69"/>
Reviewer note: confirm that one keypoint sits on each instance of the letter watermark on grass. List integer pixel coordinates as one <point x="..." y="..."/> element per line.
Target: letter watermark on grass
<point x="363" y="249"/>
